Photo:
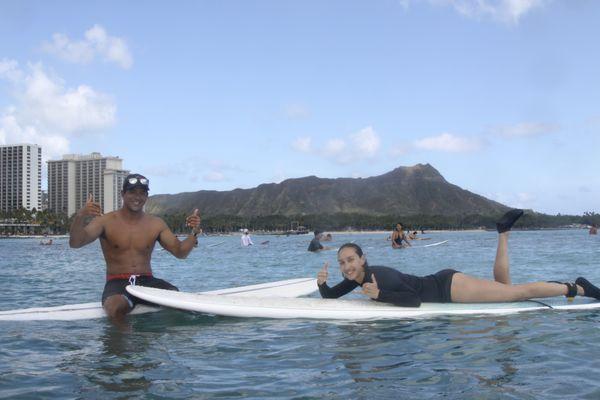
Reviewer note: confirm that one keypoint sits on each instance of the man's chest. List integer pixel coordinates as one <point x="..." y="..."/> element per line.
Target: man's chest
<point x="124" y="236"/>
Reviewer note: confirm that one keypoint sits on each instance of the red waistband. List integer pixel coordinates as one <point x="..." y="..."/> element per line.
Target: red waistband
<point x="126" y="276"/>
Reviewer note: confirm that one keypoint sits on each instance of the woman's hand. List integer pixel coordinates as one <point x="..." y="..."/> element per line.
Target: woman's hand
<point x="322" y="275"/>
<point x="371" y="289"/>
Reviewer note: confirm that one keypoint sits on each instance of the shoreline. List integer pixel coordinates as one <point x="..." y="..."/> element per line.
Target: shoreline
<point x="333" y="232"/>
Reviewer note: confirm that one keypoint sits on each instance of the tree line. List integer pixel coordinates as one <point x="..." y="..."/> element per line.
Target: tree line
<point x="364" y="222"/>
<point x="48" y="221"/>
<point x="53" y="223"/>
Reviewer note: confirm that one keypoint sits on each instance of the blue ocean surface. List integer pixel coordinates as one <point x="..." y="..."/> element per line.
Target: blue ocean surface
<point x="172" y="354"/>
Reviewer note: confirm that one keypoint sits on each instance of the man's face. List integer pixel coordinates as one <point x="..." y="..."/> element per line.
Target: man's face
<point x="134" y="199"/>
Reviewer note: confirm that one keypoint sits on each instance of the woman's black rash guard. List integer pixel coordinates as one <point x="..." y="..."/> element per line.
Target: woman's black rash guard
<point x="398" y="288"/>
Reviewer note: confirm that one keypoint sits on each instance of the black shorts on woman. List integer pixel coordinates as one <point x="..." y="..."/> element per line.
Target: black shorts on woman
<point x="398" y="288"/>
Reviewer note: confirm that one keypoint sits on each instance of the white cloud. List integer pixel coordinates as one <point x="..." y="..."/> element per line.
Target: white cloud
<point x="303" y="144"/>
<point x="518" y="200"/>
<point x="195" y="169"/>
<point x="68" y="110"/>
<point x="13" y="131"/>
<point x="525" y="129"/>
<point x="334" y="147"/>
<point x="366" y="141"/>
<point x="48" y="113"/>
<point x="214" y="176"/>
<point x="96" y="43"/>
<point x="9" y="70"/>
<point x="448" y="142"/>
<point x="358" y="146"/>
<point x="506" y="11"/>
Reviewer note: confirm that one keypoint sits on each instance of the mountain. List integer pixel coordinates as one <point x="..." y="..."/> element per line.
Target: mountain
<point x="419" y="189"/>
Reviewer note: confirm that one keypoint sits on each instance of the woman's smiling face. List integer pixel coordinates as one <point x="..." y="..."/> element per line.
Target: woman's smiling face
<point x="351" y="264"/>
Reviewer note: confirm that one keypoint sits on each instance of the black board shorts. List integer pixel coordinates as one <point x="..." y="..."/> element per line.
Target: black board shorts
<point x="117" y="286"/>
<point x="444" y="283"/>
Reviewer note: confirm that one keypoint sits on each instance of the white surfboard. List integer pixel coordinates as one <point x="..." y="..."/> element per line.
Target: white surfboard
<point x="286" y="288"/>
<point x="432" y="244"/>
<point x="336" y="309"/>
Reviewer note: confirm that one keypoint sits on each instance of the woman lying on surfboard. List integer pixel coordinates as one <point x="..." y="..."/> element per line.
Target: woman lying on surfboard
<point x="447" y="286"/>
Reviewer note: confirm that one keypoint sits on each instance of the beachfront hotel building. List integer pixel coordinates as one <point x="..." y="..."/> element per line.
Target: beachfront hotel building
<point x="71" y="179"/>
<point x="20" y="177"/>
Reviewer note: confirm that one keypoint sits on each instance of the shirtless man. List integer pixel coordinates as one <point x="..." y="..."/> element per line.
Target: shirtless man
<point x="127" y="237"/>
<point x="315" y="244"/>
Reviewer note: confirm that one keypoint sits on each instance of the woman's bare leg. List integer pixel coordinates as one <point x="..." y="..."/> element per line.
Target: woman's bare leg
<point x="501" y="263"/>
<point x="468" y="289"/>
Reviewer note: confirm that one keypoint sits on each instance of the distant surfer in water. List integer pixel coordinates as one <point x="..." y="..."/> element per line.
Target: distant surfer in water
<point x="127" y="237"/>
<point x="246" y="240"/>
<point x="315" y="244"/>
<point x="399" y="239"/>
<point x="447" y="286"/>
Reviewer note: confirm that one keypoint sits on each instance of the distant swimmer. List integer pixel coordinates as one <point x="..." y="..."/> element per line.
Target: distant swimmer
<point x="246" y="240"/>
<point x="315" y="244"/>
<point x="389" y="285"/>
<point x="46" y="243"/>
<point x="265" y="242"/>
<point x="327" y="238"/>
<point x="399" y="239"/>
<point x="413" y="236"/>
<point x="128" y="237"/>
<point x="594" y="229"/>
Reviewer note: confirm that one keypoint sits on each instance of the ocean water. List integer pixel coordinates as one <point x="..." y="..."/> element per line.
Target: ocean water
<point x="172" y="354"/>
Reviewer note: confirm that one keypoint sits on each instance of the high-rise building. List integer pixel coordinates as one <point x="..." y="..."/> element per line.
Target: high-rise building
<point x="73" y="178"/>
<point x="20" y="177"/>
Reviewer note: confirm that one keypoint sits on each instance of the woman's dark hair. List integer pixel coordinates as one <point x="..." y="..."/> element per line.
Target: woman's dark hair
<point x="398" y="223"/>
<point x="354" y="246"/>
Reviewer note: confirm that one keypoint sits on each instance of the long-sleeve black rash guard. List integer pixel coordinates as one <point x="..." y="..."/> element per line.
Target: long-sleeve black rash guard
<point x="398" y="288"/>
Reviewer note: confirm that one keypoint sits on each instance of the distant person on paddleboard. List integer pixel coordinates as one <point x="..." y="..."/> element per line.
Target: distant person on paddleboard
<point x="127" y="237"/>
<point x="246" y="240"/>
<point x="447" y="286"/>
<point x="315" y="244"/>
<point x="398" y="237"/>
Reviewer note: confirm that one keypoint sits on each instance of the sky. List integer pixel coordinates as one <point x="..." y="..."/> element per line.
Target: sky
<point x="502" y="97"/>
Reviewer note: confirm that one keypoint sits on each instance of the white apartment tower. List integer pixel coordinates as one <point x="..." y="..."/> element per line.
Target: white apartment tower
<point x="71" y="179"/>
<point x="20" y="177"/>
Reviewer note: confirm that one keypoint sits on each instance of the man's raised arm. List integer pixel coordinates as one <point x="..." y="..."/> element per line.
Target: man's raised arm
<point x="181" y="249"/>
<point x="80" y="233"/>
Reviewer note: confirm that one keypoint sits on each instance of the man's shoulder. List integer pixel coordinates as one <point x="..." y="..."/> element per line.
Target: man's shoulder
<point x="154" y="220"/>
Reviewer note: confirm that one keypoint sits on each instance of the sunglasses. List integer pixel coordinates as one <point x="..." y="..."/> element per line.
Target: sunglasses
<point x="141" y="181"/>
